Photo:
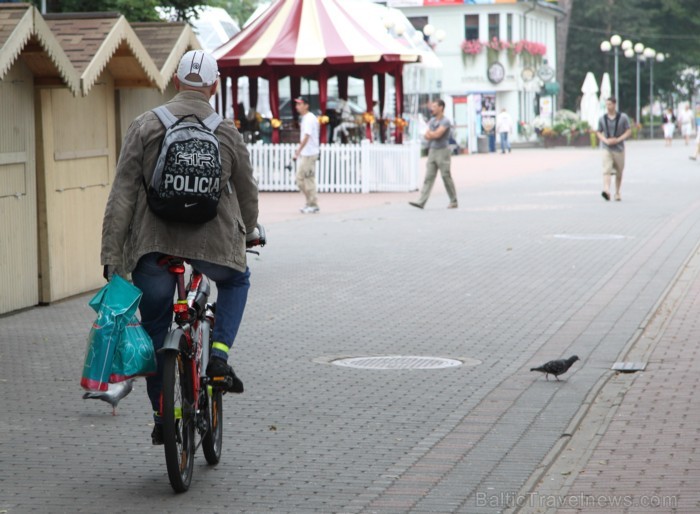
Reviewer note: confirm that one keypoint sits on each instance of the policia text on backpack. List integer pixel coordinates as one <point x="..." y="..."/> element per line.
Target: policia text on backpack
<point x="186" y="182"/>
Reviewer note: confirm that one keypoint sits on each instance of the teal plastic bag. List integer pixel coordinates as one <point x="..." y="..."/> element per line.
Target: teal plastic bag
<point x="134" y="355"/>
<point x="115" y="304"/>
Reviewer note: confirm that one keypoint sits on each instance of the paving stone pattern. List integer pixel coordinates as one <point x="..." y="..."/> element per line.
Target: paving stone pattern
<point x="489" y="281"/>
<point x="647" y="460"/>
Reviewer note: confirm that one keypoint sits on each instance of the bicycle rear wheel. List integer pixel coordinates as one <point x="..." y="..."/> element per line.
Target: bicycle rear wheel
<point x="213" y="438"/>
<point x="178" y="420"/>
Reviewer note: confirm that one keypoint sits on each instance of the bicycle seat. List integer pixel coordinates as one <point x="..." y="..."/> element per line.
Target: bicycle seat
<point x="170" y="260"/>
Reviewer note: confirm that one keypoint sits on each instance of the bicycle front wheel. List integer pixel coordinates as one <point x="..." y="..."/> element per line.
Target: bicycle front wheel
<point x="213" y="438"/>
<point x="178" y="420"/>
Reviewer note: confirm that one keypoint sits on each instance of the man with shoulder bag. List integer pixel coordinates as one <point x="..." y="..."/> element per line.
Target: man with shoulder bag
<point x="613" y="129"/>
<point x="184" y="187"/>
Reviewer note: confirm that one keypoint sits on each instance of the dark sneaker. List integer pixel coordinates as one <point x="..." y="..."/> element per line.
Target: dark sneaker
<point x="157" y="434"/>
<point x="222" y="374"/>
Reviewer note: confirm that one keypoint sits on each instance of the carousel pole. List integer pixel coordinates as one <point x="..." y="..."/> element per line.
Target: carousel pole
<point x="323" y="101"/>
<point x="295" y="90"/>
<point x="381" y="86"/>
<point x="369" y="83"/>
<point x="398" y="81"/>
<point x="342" y="95"/>
<point x="275" y="107"/>
<point x="253" y="93"/>
<point x="343" y="86"/>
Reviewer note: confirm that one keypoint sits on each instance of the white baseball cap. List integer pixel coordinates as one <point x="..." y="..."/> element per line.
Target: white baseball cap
<point x="197" y="69"/>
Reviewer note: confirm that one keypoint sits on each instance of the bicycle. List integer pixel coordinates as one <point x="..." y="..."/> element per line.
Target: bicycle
<point x="192" y="403"/>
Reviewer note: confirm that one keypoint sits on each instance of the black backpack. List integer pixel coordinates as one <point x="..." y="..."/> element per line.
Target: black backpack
<point x="186" y="182"/>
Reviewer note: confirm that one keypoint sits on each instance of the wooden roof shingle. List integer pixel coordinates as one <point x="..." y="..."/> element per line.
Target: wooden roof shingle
<point x="98" y="41"/>
<point x="166" y="43"/>
<point x="25" y="34"/>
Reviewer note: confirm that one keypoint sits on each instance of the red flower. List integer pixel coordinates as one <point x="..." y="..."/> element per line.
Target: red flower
<point x="534" y="48"/>
<point x="471" y="46"/>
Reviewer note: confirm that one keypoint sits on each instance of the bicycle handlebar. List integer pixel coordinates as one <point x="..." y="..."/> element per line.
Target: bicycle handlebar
<point x="257" y="237"/>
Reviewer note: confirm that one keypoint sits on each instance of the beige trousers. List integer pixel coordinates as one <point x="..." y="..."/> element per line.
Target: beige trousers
<point x="306" y="178"/>
<point x="438" y="159"/>
<point x="613" y="162"/>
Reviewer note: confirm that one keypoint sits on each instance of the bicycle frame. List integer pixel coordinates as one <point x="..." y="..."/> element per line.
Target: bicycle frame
<point x="189" y="321"/>
<point x="191" y="402"/>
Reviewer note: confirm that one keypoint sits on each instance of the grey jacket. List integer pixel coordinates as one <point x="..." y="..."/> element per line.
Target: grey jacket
<point x="130" y="230"/>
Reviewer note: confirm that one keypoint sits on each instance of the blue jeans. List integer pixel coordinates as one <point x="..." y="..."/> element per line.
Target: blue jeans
<point x="505" y="145"/>
<point x="156" y="308"/>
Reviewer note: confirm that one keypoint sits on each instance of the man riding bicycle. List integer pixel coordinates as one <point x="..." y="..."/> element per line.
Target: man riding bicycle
<point x="134" y="238"/>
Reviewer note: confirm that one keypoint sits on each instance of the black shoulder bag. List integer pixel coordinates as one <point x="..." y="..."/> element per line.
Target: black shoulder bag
<point x="607" y="129"/>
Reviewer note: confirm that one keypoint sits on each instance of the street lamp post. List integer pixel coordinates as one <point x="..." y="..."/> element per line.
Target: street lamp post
<point x="636" y="51"/>
<point x="613" y="44"/>
<point x="652" y="56"/>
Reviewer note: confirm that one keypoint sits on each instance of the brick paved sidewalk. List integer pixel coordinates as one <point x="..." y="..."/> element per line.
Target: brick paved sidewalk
<point x="643" y="454"/>
<point x="649" y="453"/>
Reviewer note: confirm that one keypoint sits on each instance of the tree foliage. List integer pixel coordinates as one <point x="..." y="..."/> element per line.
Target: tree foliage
<point x="185" y="9"/>
<point x="133" y="10"/>
<point x="145" y="10"/>
<point x="671" y="27"/>
<point x="240" y="10"/>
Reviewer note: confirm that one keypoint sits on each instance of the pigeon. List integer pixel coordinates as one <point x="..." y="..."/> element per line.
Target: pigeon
<point x="557" y="367"/>
<point x="113" y="394"/>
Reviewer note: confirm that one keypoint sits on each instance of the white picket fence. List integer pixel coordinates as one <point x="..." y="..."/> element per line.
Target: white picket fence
<point x="364" y="168"/>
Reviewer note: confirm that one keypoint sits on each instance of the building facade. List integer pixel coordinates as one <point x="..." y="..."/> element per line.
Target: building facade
<point x="496" y="54"/>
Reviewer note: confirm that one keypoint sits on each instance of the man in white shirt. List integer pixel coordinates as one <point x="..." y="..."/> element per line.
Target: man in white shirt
<point x="307" y="155"/>
<point x="504" y="126"/>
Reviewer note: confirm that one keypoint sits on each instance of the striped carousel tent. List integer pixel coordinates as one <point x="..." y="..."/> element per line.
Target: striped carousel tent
<point x="313" y="39"/>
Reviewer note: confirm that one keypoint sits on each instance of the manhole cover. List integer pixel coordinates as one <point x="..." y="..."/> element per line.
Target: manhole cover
<point x="398" y="362"/>
<point x="589" y="237"/>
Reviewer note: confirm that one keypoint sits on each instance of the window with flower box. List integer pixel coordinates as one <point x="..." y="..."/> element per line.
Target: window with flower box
<point x="509" y="27"/>
<point x="471" y="27"/>
<point x="494" y="26"/>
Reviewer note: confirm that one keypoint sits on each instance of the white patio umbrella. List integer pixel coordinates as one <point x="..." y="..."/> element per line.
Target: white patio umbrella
<point x="590" y="105"/>
<point x="605" y="89"/>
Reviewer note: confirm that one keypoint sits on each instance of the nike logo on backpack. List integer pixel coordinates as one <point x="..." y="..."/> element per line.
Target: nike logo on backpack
<point x="190" y="204"/>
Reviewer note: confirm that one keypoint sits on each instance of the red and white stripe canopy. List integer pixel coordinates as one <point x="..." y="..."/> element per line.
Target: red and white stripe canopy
<point x="310" y="33"/>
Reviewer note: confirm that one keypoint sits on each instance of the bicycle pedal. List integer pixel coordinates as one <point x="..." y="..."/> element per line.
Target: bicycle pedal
<point x="224" y="382"/>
